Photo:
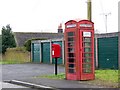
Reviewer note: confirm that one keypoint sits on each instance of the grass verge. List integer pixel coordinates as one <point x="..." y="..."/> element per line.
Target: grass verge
<point x="107" y="78"/>
<point x="53" y="76"/>
<point x="10" y="62"/>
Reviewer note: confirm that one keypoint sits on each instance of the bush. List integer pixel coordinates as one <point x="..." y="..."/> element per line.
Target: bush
<point x="28" y="43"/>
<point x="23" y="49"/>
<point x="16" y="55"/>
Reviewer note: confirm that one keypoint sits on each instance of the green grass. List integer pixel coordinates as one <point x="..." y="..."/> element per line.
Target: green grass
<point x="103" y="75"/>
<point x="107" y="75"/>
<point x="10" y="62"/>
<point x="108" y="78"/>
<point x="53" y="76"/>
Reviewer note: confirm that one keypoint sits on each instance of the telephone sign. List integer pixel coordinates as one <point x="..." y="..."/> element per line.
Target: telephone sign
<point x="85" y="25"/>
<point x="71" y="25"/>
<point x="86" y="34"/>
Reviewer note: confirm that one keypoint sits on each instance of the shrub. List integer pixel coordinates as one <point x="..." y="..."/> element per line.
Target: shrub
<point x="28" y="43"/>
<point x="16" y="55"/>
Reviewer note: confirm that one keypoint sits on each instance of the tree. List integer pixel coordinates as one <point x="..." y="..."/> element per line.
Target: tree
<point x="8" y="40"/>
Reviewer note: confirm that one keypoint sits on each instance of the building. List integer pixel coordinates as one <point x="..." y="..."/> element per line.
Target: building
<point x="22" y="37"/>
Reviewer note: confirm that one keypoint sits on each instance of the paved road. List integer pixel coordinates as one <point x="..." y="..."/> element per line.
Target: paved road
<point x="8" y="85"/>
<point x="21" y="71"/>
<point x="27" y="72"/>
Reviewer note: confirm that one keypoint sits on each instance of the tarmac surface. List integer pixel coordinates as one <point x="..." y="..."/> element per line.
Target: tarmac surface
<point x="8" y="85"/>
<point x="28" y="72"/>
<point x="20" y="71"/>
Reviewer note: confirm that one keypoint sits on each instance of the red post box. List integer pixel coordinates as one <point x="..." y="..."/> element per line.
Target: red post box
<point x="56" y="51"/>
<point x="79" y="50"/>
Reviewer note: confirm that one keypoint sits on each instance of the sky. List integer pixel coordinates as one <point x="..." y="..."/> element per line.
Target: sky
<point x="46" y="15"/>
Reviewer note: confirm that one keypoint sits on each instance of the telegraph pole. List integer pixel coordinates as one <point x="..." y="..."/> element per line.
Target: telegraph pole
<point x="89" y="10"/>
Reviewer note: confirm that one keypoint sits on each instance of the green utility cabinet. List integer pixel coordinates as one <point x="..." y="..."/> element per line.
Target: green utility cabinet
<point x="108" y="53"/>
<point x="35" y="53"/>
<point x="45" y="52"/>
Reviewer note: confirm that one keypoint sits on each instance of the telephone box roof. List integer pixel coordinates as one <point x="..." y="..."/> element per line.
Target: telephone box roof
<point x="78" y="20"/>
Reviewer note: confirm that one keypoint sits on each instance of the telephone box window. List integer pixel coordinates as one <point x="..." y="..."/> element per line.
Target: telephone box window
<point x="87" y="60"/>
<point x="87" y="71"/>
<point x="87" y="49"/>
<point x="87" y="39"/>
<point x="70" y="39"/>
<point x="87" y="44"/>
<point x="71" y="50"/>
<point x="71" y="65"/>
<point x="70" y="44"/>
<point x="71" y="34"/>
<point x="71" y="71"/>
<point x="71" y="54"/>
<point x="87" y="66"/>
<point x="71" y="60"/>
<point x="87" y="55"/>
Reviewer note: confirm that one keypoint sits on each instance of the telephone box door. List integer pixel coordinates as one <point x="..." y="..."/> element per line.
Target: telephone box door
<point x="87" y="50"/>
<point x="70" y="50"/>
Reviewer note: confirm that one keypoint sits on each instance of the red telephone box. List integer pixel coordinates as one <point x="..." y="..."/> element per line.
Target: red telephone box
<point x="79" y="50"/>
